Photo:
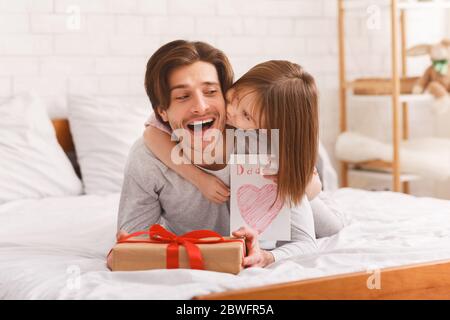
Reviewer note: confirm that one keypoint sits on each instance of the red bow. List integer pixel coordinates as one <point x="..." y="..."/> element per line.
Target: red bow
<point x="158" y="234"/>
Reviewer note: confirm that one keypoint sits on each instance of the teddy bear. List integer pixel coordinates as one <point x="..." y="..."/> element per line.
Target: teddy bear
<point x="436" y="79"/>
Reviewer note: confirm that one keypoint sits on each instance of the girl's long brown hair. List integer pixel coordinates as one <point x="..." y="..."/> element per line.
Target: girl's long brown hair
<point x="287" y="98"/>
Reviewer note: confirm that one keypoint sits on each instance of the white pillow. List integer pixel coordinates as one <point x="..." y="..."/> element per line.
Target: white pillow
<point x="32" y="163"/>
<point x="103" y="131"/>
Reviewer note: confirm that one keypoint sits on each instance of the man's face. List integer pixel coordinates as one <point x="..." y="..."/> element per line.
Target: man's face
<point x="196" y="101"/>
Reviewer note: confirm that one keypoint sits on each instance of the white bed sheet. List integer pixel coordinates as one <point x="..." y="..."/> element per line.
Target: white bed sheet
<point x="44" y="243"/>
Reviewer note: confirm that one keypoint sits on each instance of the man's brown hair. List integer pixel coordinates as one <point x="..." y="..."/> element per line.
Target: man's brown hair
<point x="176" y="54"/>
<point x="287" y="99"/>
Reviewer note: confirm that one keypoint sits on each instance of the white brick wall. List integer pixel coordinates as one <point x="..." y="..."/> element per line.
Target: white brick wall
<point x="21" y="6"/>
<point x="43" y="48"/>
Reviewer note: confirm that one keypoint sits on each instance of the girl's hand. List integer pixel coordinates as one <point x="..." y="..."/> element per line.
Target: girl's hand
<point x="271" y="174"/>
<point x="212" y="188"/>
<point x="256" y="257"/>
<point x="272" y="177"/>
<point x="314" y="186"/>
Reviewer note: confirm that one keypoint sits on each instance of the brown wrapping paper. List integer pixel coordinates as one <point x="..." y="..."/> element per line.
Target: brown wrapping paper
<point x="221" y="257"/>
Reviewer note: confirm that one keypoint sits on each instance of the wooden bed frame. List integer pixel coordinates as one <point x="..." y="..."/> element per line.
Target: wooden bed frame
<point x="421" y="281"/>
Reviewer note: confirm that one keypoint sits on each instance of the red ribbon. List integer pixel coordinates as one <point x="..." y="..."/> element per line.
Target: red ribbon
<point x="158" y="234"/>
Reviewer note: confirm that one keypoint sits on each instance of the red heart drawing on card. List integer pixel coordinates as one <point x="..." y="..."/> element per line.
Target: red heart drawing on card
<point x="257" y="205"/>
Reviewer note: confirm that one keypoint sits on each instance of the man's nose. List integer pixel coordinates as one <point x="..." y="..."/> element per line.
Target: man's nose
<point x="200" y="105"/>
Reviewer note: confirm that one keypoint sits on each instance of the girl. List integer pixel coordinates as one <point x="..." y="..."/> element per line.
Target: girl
<point x="271" y="95"/>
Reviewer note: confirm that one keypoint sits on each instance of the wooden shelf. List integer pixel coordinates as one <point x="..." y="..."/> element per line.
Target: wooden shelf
<point x="375" y="165"/>
<point x="362" y="5"/>
<point x="382" y="98"/>
<point x="384" y="176"/>
<point x="378" y="169"/>
<point x="424" y="5"/>
<point x="398" y="101"/>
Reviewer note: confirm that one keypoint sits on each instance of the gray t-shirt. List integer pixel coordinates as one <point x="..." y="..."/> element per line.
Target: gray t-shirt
<point x="153" y="193"/>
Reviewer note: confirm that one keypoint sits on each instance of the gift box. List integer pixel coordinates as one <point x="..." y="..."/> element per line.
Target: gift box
<point x="161" y="249"/>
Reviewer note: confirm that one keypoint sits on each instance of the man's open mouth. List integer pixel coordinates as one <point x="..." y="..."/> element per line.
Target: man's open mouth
<point x="201" y="125"/>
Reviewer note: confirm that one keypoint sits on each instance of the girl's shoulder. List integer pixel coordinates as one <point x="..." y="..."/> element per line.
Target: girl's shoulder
<point x="156" y="123"/>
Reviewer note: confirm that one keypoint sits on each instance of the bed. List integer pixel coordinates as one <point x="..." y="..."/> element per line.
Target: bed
<point x="396" y="247"/>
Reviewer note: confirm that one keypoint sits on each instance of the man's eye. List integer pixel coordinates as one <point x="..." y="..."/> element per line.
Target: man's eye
<point x="211" y="92"/>
<point x="181" y="97"/>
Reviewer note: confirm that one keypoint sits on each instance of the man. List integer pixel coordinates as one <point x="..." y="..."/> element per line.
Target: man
<point x="186" y="83"/>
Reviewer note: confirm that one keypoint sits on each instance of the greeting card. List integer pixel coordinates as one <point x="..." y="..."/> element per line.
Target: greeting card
<point x="254" y="201"/>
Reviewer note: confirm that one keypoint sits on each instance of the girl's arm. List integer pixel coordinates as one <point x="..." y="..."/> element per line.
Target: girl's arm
<point x="328" y="217"/>
<point x="302" y="235"/>
<point x="161" y="145"/>
<point x="313" y="188"/>
<point x="303" y="238"/>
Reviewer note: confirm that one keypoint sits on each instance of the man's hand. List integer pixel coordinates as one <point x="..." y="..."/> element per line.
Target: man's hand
<point x="256" y="256"/>
<point x="119" y="234"/>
